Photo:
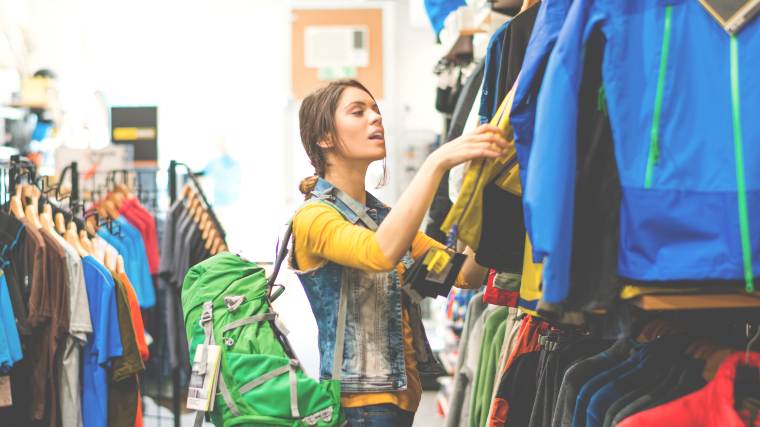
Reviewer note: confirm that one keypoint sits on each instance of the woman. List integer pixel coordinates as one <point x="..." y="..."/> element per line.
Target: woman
<point x="351" y="250"/>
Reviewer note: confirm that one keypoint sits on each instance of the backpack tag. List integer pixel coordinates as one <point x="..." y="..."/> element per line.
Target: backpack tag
<point x="202" y="387"/>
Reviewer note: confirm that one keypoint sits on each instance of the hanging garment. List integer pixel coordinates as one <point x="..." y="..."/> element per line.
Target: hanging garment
<point x="502" y="289"/>
<point x="104" y="344"/>
<point x="10" y="343"/>
<point x="465" y="216"/>
<point x="690" y="381"/>
<point x="122" y="385"/>
<point x="49" y="316"/>
<point x="579" y="373"/>
<point x="467" y="363"/>
<point x="556" y="358"/>
<point x="483" y="386"/>
<point x="515" y="43"/>
<point x="80" y="327"/>
<point x="26" y="270"/>
<point x="144" y="221"/>
<point x="441" y="202"/>
<point x="489" y="101"/>
<point x="677" y="122"/>
<point x="510" y="406"/>
<point x="711" y="406"/>
<point x="438" y="10"/>
<point x="530" y="285"/>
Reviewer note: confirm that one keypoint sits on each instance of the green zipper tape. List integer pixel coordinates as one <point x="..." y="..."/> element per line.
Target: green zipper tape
<point x="739" y="154"/>
<point x="654" y="134"/>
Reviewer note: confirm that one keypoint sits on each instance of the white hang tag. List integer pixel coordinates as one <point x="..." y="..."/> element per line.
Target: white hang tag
<point x="203" y="379"/>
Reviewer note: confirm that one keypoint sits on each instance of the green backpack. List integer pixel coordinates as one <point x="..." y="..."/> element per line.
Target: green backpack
<point x="227" y="301"/>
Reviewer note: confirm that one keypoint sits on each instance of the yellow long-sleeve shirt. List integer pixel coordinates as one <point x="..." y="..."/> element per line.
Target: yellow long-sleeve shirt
<point x="322" y="234"/>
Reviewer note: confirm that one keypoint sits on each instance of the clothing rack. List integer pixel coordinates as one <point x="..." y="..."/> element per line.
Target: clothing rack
<point x="173" y="196"/>
<point x="198" y="188"/>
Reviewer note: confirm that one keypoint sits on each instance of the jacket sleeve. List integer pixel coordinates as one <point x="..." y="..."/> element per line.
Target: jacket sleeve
<point x="550" y="194"/>
<point x="322" y="234"/>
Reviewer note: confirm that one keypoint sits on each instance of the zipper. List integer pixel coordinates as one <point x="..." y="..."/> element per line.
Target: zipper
<point x="654" y="134"/>
<point x="739" y="155"/>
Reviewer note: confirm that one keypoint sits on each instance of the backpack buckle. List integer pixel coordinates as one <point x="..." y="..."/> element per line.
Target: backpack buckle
<point x="233" y="302"/>
<point x="207" y="314"/>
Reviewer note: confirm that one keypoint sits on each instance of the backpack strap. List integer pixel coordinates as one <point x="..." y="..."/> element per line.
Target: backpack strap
<point x="282" y="253"/>
<point x="207" y="322"/>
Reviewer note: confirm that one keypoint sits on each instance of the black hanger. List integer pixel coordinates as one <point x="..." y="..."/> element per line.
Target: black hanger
<point x="747" y="379"/>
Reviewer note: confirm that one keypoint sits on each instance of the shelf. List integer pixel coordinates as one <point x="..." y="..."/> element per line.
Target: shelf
<point x="696" y="302"/>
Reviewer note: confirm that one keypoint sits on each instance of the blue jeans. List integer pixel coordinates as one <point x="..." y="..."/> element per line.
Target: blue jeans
<point x="385" y="415"/>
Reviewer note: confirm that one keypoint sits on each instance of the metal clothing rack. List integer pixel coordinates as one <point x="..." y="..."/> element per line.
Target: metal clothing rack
<point x="173" y="196"/>
<point x="198" y="188"/>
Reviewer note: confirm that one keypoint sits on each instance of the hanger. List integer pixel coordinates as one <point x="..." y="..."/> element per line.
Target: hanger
<point x="46" y="218"/>
<point x="199" y="213"/>
<point x="108" y="260"/>
<point x="649" y="331"/>
<point x="60" y="223"/>
<point x="71" y="236"/>
<point x="217" y="246"/>
<point x="16" y="205"/>
<point x="204" y="223"/>
<point x="120" y="265"/>
<point x="747" y="381"/>
<point x="210" y="239"/>
<point x="91" y="225"/>
<point x="117" y="198"/>
<point x="110" y="209"/>
<point x="186" y="190"/>
<point x="88" y="246"/>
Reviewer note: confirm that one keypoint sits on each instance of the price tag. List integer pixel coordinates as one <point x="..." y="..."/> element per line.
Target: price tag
<point x="202" y="387"/>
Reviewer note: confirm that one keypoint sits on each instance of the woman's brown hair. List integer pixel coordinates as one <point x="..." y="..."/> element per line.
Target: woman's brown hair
<point x="316" y="119"/>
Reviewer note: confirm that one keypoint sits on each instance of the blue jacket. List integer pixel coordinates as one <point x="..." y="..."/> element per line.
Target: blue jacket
<point x="682" y="99"/>
<point x="551" y="16"/>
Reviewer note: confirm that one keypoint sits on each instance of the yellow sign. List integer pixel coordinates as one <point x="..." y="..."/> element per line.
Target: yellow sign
<point x="133" y="134"/>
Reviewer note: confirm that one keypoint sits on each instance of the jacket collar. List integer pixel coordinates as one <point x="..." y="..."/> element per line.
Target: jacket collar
<point x="349" y="207"/>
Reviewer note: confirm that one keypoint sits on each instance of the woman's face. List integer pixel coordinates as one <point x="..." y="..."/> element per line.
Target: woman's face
<point x="359" y="127"/>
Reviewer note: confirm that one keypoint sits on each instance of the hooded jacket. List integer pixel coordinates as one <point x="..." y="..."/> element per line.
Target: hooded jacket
<point x="681" y="93"/>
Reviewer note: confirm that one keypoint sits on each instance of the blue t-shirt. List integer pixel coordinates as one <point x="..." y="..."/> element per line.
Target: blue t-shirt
<point x="10" y="344"/>
<point x="128" y="241"/>
<point x="104" y="345"/>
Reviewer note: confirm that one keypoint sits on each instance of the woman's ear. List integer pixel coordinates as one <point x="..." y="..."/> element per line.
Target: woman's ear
<point x="325" y="144"/>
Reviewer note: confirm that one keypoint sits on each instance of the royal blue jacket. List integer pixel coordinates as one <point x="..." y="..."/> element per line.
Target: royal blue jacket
<point x="684" y="100"/>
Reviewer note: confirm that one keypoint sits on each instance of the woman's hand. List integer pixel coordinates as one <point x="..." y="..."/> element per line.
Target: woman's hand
<point x="486" y="141"/>
<point x="397" y="231"/>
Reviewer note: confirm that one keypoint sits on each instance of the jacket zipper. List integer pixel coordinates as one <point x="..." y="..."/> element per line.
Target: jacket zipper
<point x="654" y="134"/>
<point x="739" y="155"/>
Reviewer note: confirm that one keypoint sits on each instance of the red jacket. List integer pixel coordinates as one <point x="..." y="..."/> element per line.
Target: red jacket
<point x="712" y="406"/>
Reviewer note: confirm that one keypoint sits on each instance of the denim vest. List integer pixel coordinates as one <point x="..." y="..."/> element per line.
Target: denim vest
<point x="373" y="353"/>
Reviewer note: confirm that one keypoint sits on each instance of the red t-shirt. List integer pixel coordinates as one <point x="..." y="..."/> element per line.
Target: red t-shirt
<point x="144" y="222"/>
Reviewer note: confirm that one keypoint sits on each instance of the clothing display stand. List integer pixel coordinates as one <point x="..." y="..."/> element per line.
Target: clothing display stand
<point x="173" y="197"/>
